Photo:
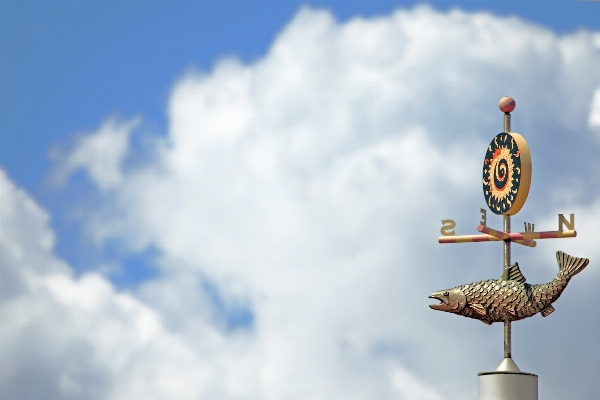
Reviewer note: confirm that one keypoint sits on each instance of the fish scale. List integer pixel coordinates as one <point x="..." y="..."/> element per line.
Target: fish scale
<point x="498" y="300"/>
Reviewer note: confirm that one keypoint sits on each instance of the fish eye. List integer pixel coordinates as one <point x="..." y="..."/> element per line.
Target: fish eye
<point x="446" y="293"/>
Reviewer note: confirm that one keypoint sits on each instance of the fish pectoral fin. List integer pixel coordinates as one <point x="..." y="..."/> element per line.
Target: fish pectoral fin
<point x="486" y="322"/>
<point x="547" y="310"/>
<point x="479" y="309"/>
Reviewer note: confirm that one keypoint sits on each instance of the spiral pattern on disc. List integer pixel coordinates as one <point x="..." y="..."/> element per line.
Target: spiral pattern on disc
<point x="502" y="173"/>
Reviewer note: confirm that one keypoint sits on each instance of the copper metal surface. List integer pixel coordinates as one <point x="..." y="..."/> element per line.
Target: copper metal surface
<point x="509" y="298"/>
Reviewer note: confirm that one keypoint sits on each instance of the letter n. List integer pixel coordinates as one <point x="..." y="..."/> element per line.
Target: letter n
<point x="563" y="221"/>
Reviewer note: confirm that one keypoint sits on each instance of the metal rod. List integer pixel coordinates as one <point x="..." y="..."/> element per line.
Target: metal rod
<point x="467" y="239"/>
<point x="506" y="122"/>
<point x="507" y="340"/>
<point x="489" y="231"/>
<point x="483" y="238"/>
<point x="507" y="330"/>
<point x="507" y="241"/>
<point x="542" y="235"/>
<point x="526" y="235"/>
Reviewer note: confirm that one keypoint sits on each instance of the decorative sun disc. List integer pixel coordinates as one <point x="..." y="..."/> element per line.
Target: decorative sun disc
<point x="506" y="173"/>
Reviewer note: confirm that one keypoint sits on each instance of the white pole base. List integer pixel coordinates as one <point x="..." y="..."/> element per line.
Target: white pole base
<point x="508" y="385"/>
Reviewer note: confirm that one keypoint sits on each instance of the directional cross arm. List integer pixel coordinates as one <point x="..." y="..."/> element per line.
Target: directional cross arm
<point x="544" y="235"/>
<point x="493" y="235"/>
<point x="514" y="236"/>
<point x="501" y="235"/>
<point x="467" y="239"/>
<point x="481" y="238"/>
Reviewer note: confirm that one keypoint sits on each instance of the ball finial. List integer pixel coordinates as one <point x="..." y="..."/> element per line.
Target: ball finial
<point x="506" y="104"/>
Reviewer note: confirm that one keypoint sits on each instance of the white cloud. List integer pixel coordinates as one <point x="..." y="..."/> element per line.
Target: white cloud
<point x="308" y="186"/>
<point x="594" y="117"/>
<point x="100" y="154"/>
<point x="587" y="221"/>
<point x="77" y="338"/>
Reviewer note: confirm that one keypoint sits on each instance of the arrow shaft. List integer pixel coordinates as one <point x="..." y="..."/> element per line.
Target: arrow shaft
<point x="526" y="235"/>
<point x="481" y="238"/>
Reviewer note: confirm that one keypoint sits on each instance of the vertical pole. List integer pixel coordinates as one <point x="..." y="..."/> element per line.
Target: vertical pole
<point x="507" y="328"/>
<point x="507" y="340"/>
<point x="506" y="122"/>
<point x="507" y="382"/>
<point x="507" y="332"/>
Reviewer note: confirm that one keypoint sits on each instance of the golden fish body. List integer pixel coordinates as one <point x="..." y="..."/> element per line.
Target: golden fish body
<point x="509" y="299"/>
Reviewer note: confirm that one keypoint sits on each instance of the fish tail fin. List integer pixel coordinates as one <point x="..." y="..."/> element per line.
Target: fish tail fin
<point x="569" y="265"/>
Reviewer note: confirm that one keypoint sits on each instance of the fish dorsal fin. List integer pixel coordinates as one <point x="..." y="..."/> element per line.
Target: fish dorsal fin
<point x="513" y="273"/>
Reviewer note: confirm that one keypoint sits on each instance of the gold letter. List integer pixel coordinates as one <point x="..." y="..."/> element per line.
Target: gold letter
<point x="562" y="220"/>
<point x="447" y="225"/>
<point x="483" y="217"/>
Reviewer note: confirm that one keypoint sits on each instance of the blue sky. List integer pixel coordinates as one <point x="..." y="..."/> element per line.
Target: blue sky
<point x="229" y="199"/>
<point x="65" y="66"/>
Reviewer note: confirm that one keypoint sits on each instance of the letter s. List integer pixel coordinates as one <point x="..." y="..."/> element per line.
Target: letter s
<point x="448" y="226"/>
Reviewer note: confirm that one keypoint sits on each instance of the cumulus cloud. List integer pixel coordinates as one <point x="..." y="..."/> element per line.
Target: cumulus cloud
<point x="99" y="154"/>
<point x="308" y="188"/>
<point x="78" y="338"/>
<point x="594" y="118"/>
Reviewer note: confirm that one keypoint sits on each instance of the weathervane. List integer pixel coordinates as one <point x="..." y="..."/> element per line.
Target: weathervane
<point x="506" y="181"/>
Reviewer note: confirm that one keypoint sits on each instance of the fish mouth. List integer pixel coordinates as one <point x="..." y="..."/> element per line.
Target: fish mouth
<point x="443" y="301"/>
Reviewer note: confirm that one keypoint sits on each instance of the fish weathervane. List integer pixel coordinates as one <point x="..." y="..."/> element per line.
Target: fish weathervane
<point x="506" y="180"/>
<point x="509" y="299"/>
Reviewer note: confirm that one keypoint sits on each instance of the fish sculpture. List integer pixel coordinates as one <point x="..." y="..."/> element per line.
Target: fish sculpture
<point x="509" y="298"/>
